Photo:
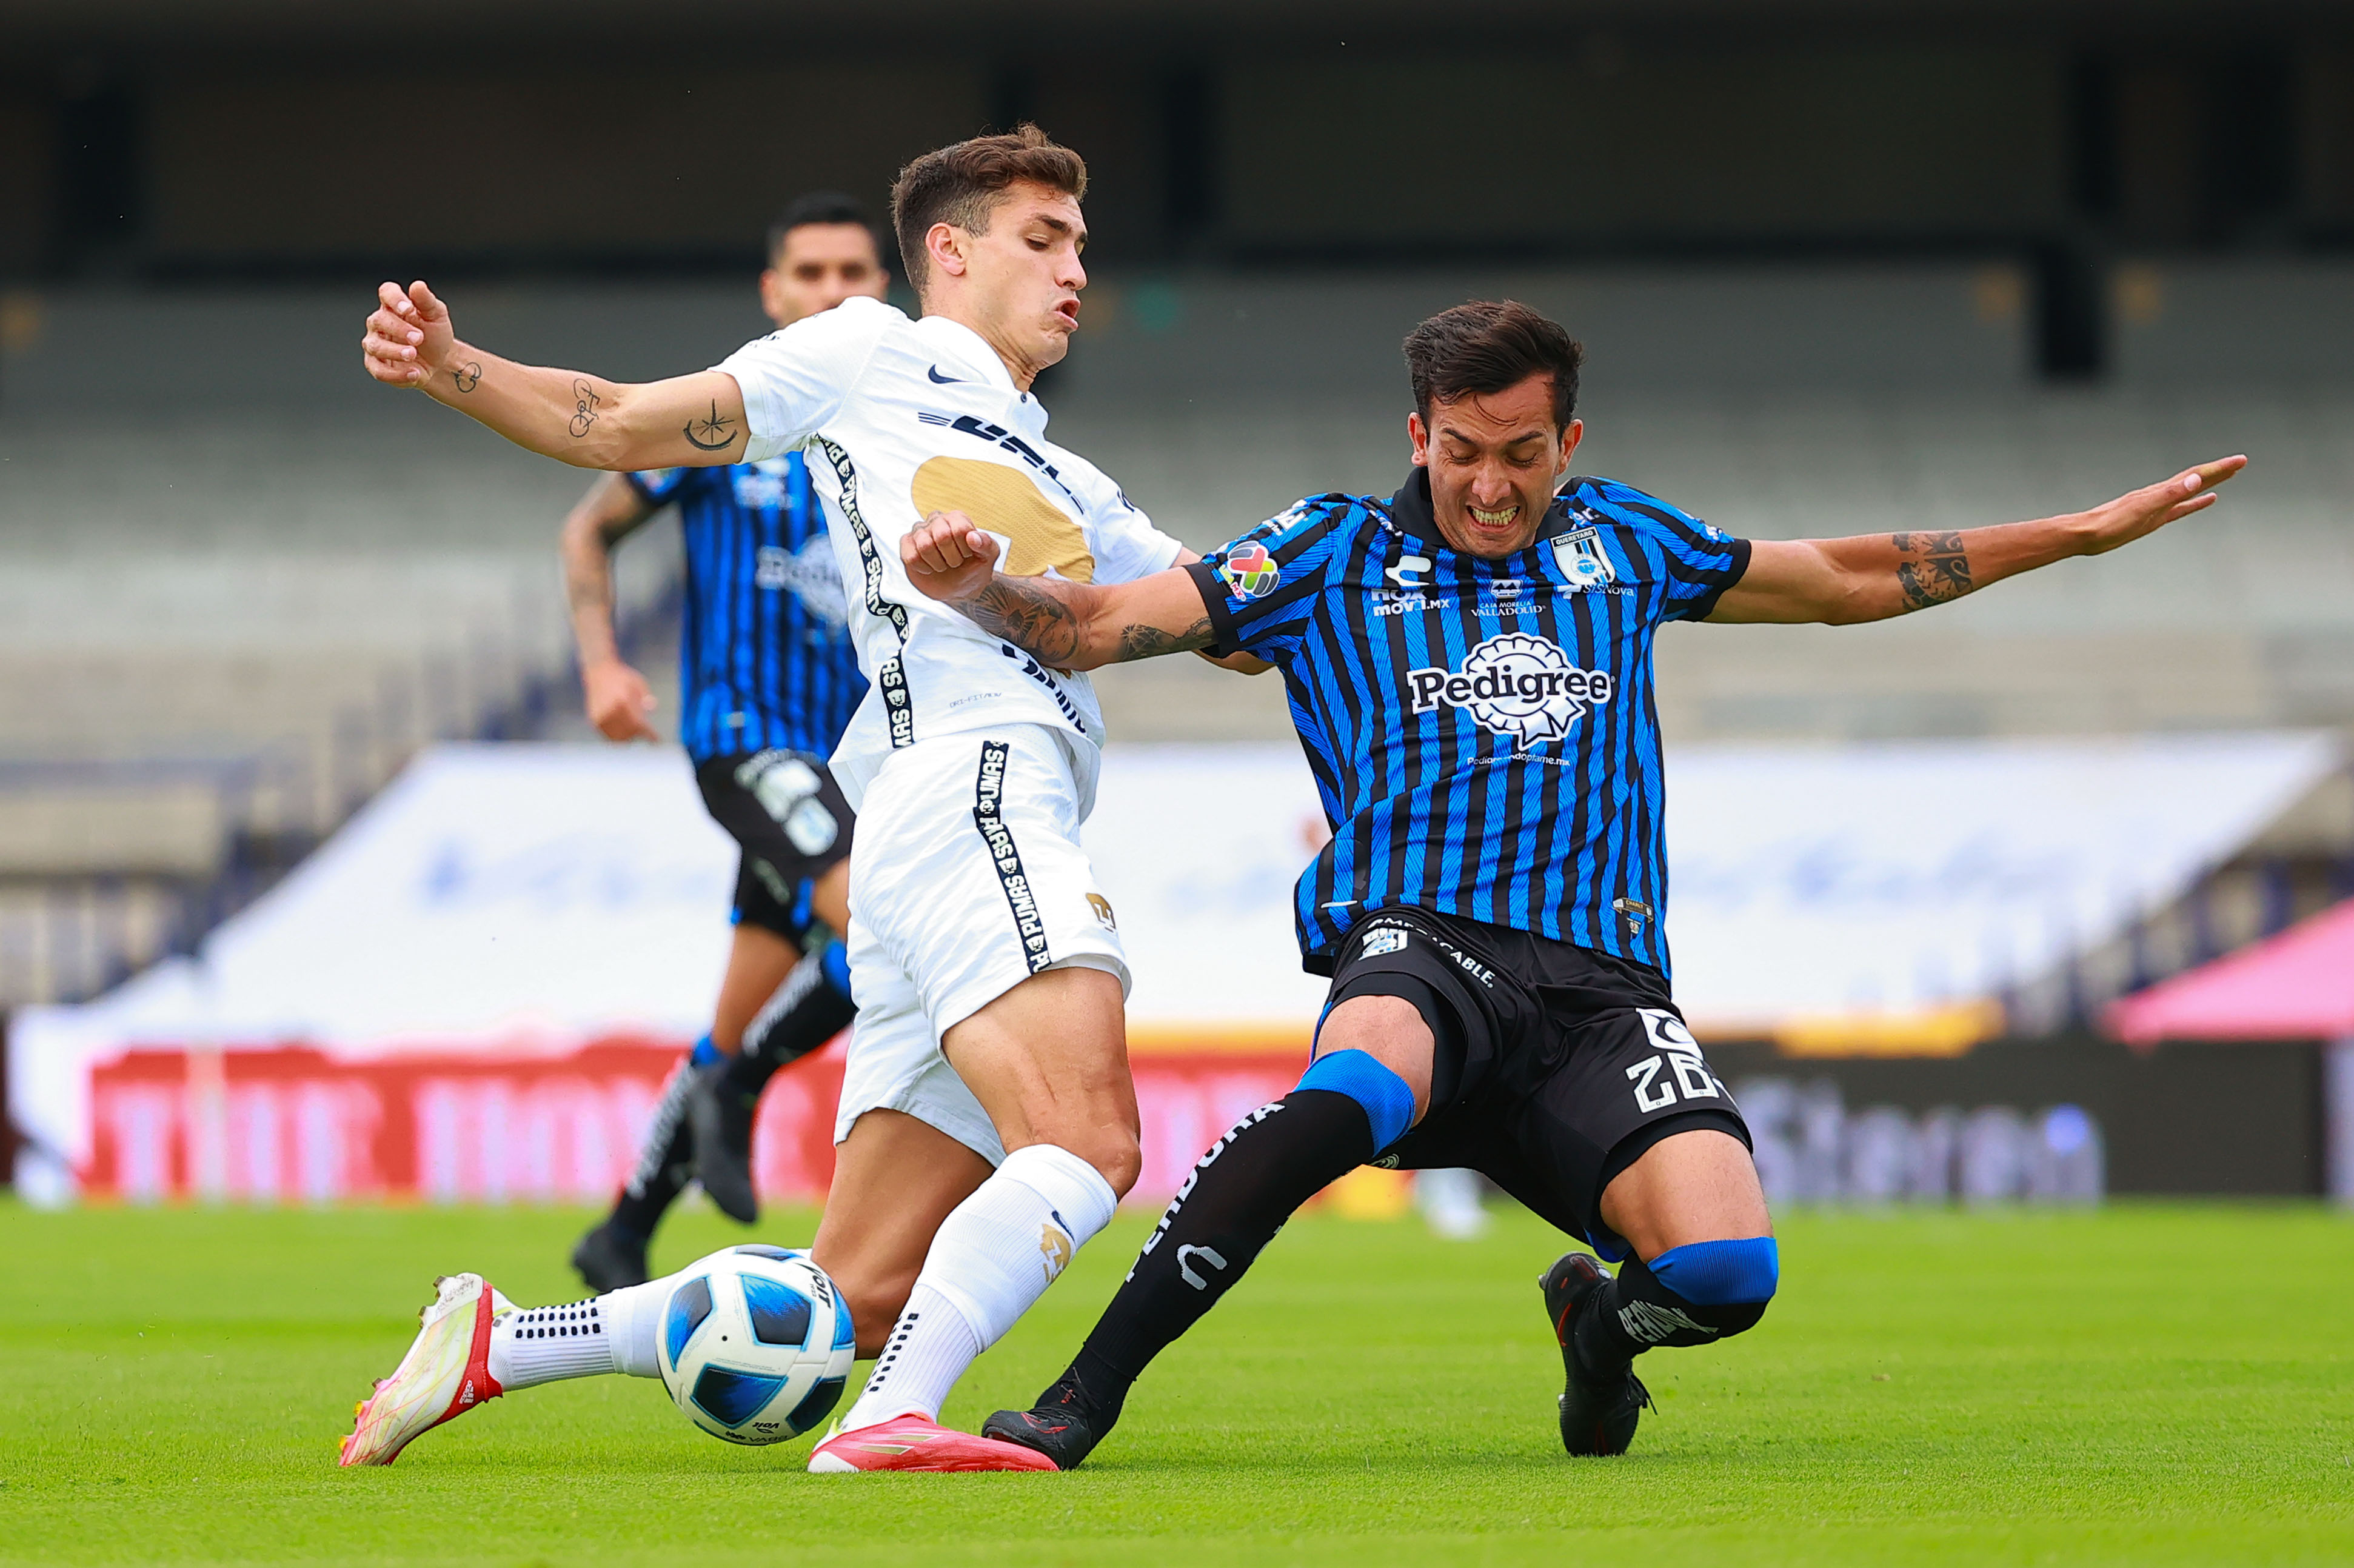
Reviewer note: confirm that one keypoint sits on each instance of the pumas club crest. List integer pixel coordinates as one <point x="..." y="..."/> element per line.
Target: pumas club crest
<point x="1517" y="684"/>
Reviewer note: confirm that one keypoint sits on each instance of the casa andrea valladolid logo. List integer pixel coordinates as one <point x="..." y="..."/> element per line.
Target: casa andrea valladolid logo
<point x="1515" y="684"/>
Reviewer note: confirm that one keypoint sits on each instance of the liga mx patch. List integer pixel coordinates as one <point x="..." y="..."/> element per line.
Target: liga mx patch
<point x="1249" y="571"/>
<point x="988" y="800"/>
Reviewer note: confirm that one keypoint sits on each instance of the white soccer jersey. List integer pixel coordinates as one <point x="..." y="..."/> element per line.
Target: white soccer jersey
<point x="897" y="420"/>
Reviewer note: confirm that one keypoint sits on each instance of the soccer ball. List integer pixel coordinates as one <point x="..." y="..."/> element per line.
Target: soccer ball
<point x="756" y="1344"/>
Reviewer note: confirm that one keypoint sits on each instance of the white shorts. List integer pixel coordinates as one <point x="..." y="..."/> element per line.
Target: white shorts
<point x="968" y="879"/>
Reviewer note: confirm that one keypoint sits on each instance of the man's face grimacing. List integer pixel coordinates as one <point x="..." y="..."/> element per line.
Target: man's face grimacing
<point x="1017" y="282"/>
<point x="819" y="266"/>
<point x="1494" y="459"/>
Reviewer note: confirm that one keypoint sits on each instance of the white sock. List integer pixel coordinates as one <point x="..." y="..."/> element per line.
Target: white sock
<point x="992" y="1256"/>
<point x="615" y="1332"/>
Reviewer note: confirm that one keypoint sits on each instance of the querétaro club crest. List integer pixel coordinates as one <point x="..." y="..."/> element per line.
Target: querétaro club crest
<point x="1516" y="685"/>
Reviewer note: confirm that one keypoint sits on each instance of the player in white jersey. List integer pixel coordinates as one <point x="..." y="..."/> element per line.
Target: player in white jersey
<point x="988" y="1125"/>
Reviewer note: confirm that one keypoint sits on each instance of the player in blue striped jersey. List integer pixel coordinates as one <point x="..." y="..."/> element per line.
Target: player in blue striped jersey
<point x="767" y="681"/>
<point x="1469" y="668"/>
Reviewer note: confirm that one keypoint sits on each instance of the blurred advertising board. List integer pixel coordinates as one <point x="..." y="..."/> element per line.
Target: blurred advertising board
<point x="474" y="989"/>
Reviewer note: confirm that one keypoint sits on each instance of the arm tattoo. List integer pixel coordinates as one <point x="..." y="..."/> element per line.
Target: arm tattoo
<point x="1934" y="568"/>
<point x="468" y="375"/>
<point x="1031" y="618"/>
<point x="711" y="435"/>
<point x="584" y="403"/>
<point x="1145" y="641"/>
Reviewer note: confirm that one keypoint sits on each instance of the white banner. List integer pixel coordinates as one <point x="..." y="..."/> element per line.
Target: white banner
<point x="522" y="899"/>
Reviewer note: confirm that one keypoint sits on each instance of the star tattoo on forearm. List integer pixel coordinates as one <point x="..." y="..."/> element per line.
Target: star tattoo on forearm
<point x="710" y="435"/>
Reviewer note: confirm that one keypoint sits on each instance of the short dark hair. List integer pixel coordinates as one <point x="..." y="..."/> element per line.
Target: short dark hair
<point x="959" y="183"/>
<point x="819" y="206"/>
<point x="1489" y="346"/>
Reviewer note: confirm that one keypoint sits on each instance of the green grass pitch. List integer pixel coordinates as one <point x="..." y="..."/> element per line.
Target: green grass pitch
<point x="2145" y="1384"/>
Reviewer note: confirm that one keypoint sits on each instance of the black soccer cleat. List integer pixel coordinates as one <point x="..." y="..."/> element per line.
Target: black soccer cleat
<point x="1061" y="1435"/>
<point x="1064" y="1424"/>
<point x="610" y="1257"/>
<point x="1598" y="1412"/>
<point x="721" y="1115"/>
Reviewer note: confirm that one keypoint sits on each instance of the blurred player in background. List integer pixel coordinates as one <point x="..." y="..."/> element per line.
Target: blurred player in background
<point x="767" y="681"/>
<point x="988" y="1123"/>
<point x="1469" y="666"/>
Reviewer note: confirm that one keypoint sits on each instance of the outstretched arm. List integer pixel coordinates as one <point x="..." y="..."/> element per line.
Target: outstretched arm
<point x="688" y="421"/>
<point x="1072" y="625"/>
<point x="1872" y="576"/>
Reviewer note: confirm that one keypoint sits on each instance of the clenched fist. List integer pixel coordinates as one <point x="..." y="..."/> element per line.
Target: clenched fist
<point x="408" y="340"/>
<point x="947" y="557"/>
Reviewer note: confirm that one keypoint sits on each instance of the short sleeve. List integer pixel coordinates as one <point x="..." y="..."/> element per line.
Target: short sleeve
<point x="1262" y="589"/>
<point x="1700" y="562"/>
<point x="659" y="486"/>
<point x="796" y="379"/>
<point x="1126" y="544"/>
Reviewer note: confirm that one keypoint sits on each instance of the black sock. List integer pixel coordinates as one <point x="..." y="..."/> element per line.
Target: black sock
<point x="807" y="1009"/>
<point x="1635" y="1311"/>
<point x="1236" y="1197"/>
<point x="666" y="1165"/>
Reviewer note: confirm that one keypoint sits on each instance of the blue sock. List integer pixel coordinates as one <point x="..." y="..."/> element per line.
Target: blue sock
<point x="1720" y="1273"/>
<point x="836" y="963"/>
<point x="1388" y="1103"/>
<point x="704" y="1053"/>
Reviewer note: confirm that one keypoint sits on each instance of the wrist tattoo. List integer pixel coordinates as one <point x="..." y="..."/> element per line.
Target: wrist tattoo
<point x="710" y="435"/>
<point x="1147" y="642"/>
<point x="585" y="403"/>
<point x="1031" y="619"/>
<point x="1932" y="568"/>
<point x="468" y="375"/>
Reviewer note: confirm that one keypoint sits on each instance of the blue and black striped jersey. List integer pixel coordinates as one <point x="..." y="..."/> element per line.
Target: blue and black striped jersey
<point x="765" y="656"/>
<point x="1481" y="732"/>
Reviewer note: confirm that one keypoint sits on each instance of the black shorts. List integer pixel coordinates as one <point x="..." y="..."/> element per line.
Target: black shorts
<point x="788" y="816"/>
<point x="1556" y="1066"/>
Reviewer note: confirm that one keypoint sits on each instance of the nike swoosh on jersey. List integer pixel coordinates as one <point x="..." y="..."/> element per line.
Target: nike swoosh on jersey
<point x="944" y="380"/>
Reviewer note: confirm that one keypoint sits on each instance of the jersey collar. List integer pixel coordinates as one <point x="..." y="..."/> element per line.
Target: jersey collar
<point x="967" y="351"/>
<point x="1411" y="511"/>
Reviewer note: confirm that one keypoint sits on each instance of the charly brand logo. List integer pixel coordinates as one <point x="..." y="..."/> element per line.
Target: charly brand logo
<point x="1582" y="559"/>
<point x="1408" y="573"/>
<point x="1515" y="684"/>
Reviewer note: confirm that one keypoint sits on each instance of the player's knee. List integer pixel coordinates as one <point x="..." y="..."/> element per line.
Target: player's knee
<point x="1725" y="1285"/>
<point x="1386" y="1099"/>
<point x="1113" y="1152"/>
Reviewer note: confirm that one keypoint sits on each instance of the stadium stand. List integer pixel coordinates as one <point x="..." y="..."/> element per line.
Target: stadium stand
<point x="231" y="608"/>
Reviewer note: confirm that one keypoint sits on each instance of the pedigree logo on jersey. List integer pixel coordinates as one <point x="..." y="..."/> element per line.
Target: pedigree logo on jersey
<point x="1515" y="684"/>
<point x="1249" y="571"/>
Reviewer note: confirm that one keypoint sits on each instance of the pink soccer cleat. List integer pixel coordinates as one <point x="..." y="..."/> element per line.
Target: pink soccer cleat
<point x="446" y="1372"/>
<point x="918" y="1443"/>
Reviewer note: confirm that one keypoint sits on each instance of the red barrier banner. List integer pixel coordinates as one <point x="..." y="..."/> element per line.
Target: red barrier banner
<point x="296" y="1125"/>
